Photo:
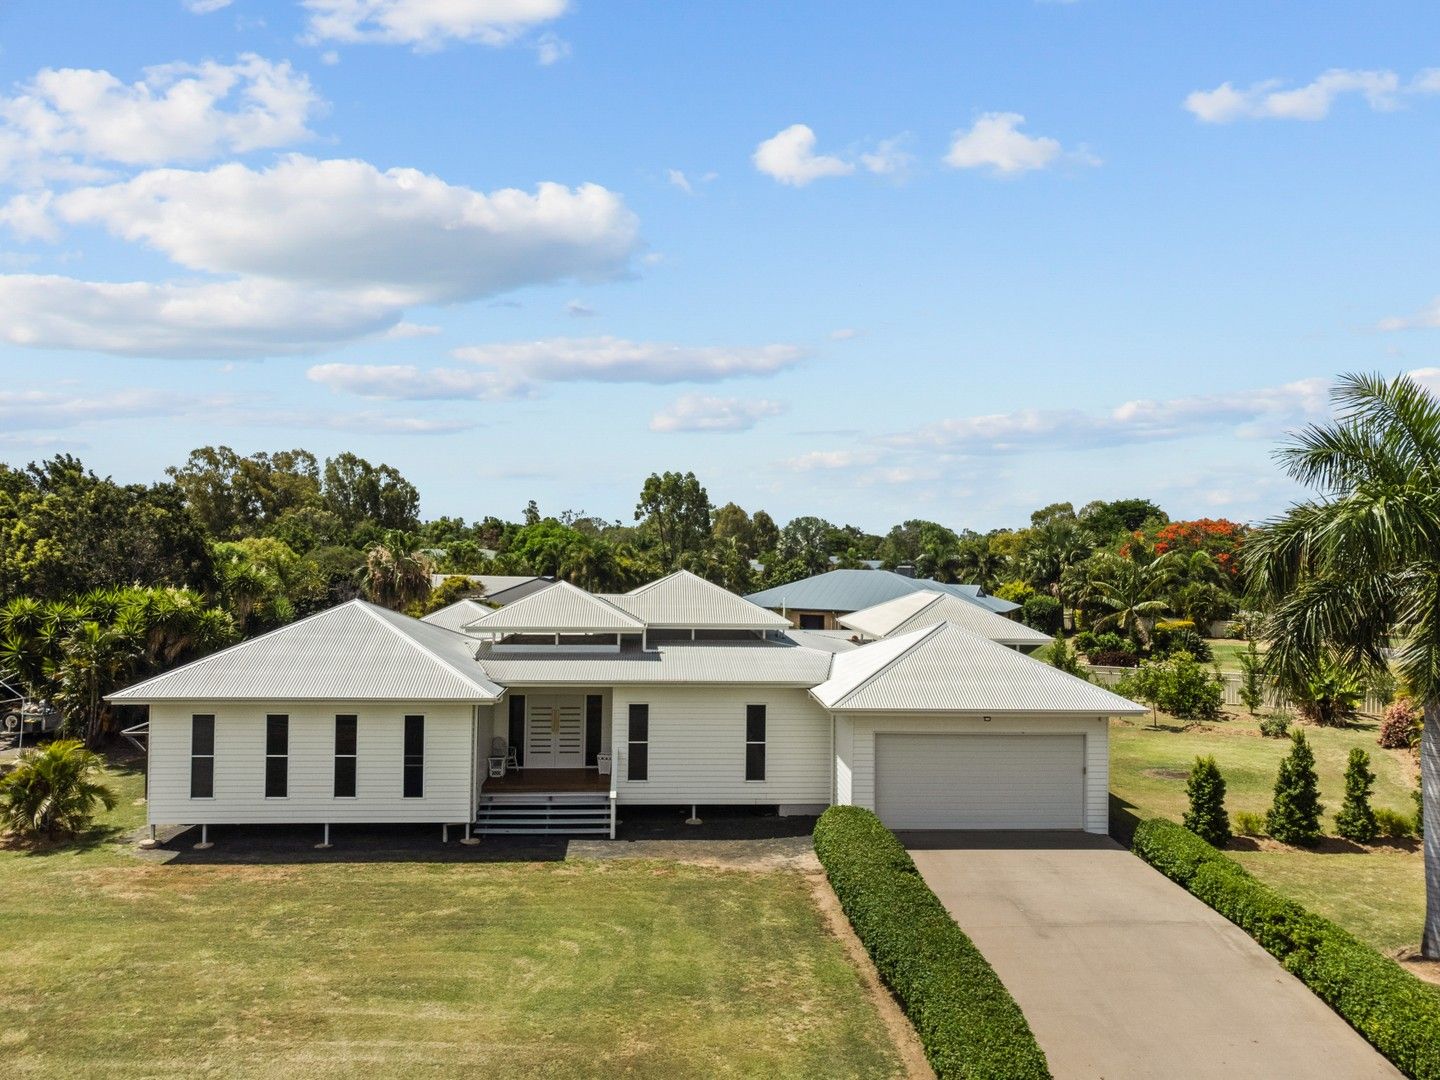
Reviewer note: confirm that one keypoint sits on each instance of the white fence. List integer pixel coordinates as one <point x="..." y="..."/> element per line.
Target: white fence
<point x="1230" y="684"/>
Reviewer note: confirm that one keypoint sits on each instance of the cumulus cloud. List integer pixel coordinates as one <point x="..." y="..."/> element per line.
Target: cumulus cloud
<point x="1270" y="99"/>
<point x="698" y="412"/>
<point x="205" y="7"/>
<point x="516" y="369"/>
<point x="551" y="49"/>
<point x="428" y="24"/>
<point x="995" y="142"/>
<point x="403" y="330"/>
<point x="888" y="158"/>
<point x="789" y="157"/>
<point x="56" y="410"/>
<point x="74" y="123"/>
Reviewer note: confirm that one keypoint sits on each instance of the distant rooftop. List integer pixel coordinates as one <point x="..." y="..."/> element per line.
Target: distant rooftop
<point x="844" y="591"/>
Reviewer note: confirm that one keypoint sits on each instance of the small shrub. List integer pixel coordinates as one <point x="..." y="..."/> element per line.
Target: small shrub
<point x="1393" y="825"/>
<point x="1356" y="819"/>
<point x="1329" y="695"/>
<point x="1017" y="592"/>
<point x="1294" y="816"/>
<point x="1043" y="613"/>
<point x="1180" y="636"/>
<point x="1252" y="679"/>
<point x="1063" y="658"/>
<point x="1247" y="823"/>
<point x="1400" y="726"/>
<point x="1275" y="726"/>
<point x="1206" y="817"/>
<point x="1179" y="685"/>
<point x="53" y="792"/>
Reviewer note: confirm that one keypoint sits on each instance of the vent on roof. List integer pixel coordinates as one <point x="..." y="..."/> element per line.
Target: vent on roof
<point x="906" y="569"/>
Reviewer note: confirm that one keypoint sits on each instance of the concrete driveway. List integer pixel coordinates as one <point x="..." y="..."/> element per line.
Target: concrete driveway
<point x="1123" y="974"/>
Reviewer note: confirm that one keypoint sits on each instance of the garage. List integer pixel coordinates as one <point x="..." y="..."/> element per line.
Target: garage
<point x="980" y="781"/>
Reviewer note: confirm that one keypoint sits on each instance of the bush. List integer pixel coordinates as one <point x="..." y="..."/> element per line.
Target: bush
<point x="1108" y="649"/>
<point x="1178" y="685"/>
<point x="967" y="1021"/>
<point x="1356" y="819"/>
<point x="1330" y="695"/>
<point x="1275" y="726"/>
<point x="1043" y="613"/>
<point x="1252" y="679"/>
<point x="53" y="792"/>
<point x="1392" y="825"/>
<point x="1248" y="823"/>
<point x="1017" y="592"/>
<point x="1294" y="816"/>
<point x="1395" y="1011"/>
<point x="1063" y="658"/>
<point x="1400" y="726"/>
<point x="1180" y="636"/>
<point x="1114" y="658"/>
<point x="1206" y="817"/>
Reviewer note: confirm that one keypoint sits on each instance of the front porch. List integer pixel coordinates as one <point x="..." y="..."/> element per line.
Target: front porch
<point x="526" y="781"/>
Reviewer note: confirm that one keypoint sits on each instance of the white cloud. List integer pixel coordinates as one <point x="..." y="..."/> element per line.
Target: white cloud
<point x="1271" y="100"/>
<point x="428" y="24"/>
<point x="577" y="310"/>
<point x="72" y="122"/>
<point x="1426" y="318"/>
<point x="397" y="237"/>
<point x="830" y="460"/>
<point x="551" y="48"/>
<point x="516" y="369"/>
<point x="995" y="143"/>
<point x="404" y="330"/>
<point x="680" y="180"/>
<point x="888" y="158"/>
<point x="205" y="7"/>
<point x="790" y="158"/>
<point x="845" y="333"/>
<point x="53" y="410"/>
<point x="697" y="412"/>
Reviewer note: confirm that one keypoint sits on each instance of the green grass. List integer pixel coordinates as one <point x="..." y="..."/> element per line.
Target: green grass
<point x="1377" y="894"/>
<point x="120" y="967"/>
<point x="1227" y="652"/>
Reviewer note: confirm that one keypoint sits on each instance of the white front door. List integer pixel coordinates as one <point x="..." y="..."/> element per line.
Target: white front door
<point x="555" y="731"/>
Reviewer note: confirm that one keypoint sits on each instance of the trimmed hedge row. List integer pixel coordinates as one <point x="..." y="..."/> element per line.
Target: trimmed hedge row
<point x="967" y="1021"/>
<point x="1395" y="1011"/>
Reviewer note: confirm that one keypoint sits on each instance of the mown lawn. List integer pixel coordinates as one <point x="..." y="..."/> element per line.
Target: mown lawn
<point x="120" y="967"/>
<point x="1377" y="893"/>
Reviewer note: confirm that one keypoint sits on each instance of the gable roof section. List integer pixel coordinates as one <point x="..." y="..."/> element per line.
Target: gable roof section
<point x="917" y="610"/>
<point x="356" y="652"/>
<point x="455" y="616"/>
<point x="855" y="590"/>
<point x="944" y="668"/>
<point x="687" y="601"/>
<point x="559" y="608"/>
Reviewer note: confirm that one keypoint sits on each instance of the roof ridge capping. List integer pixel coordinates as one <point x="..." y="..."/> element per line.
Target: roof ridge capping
<point x="374" y="611"/>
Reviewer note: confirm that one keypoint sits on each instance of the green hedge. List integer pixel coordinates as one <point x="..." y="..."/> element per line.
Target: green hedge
<point x="1398" y="1013"/>
<point x="967" y="1021"/>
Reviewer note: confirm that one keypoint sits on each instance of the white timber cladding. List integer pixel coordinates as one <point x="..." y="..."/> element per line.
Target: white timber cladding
<point x="697" y="746"/>
<point x="863" y="728"/>
<point x="240" y="763"/>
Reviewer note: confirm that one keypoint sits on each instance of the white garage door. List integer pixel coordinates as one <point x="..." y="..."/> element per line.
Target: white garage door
<point x="980" y="781"/>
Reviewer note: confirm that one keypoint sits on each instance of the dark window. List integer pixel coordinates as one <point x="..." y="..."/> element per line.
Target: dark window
<point x="812" y="622"/>
<point x="347" y="731"/>
<point x="594" y="708"/>
<point x="517" y="727"/>
<point x="639" y="740"/>
<point x="202" y="757"/>
<point x="277" y="756"/>
<point x="414" y="757"/>
<point x="754" y="742"/>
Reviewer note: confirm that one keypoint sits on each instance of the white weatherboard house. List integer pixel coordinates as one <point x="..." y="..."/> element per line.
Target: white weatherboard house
<point x="555" y="712"/>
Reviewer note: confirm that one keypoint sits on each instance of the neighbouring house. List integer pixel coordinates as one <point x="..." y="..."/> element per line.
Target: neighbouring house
<point x="559" y="710"/>
<point x="816" y="603"/>
<point x="497" y="590"/>
<point x="917" y="610"/>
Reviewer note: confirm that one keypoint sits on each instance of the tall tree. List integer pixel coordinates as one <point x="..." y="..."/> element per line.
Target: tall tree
<point x="1131" y="589"/>
<point x="397" y="572"/>
<point x="674" y="514"/>
<point x="1356" y="570"/>
<point x="357" y="491"/>
<point x="236" y="496"/>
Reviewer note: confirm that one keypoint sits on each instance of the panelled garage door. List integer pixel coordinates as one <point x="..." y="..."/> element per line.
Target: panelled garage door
<point x="980" y="781"/>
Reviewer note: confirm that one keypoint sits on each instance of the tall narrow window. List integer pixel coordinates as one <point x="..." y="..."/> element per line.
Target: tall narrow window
<point x="517" y="727"/>
<point x="277" y="756"/>
<point x="639" y="742"/>
<point x="594" y="708"/>
<point x="346" y="746"/>
<point x="754" y="742"/>
<point x="414" y="757"/>
<point x="202" y="757"/>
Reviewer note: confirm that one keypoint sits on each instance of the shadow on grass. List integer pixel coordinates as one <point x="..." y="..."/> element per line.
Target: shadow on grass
<point x="1326" y="845"/>
<point x="1124" y="820"/>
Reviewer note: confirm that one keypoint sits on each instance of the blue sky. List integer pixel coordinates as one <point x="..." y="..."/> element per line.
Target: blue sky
<point x="955" y="264"/>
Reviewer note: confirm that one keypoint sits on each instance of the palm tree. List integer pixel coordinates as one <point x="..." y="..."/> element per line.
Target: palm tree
<point x="53" y="791"/>
<point x="397" y="572"/>
<point x="1357" y="569"/>
<point x="93" y="662"/>
<point x="1134" y="591"/>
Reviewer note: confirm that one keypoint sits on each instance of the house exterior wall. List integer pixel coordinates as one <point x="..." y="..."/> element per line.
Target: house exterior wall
<point x="240" y="764"/>
<point x="495" y="719"/>
<point x="858" y="770"/>
<point x="697" y="746"/>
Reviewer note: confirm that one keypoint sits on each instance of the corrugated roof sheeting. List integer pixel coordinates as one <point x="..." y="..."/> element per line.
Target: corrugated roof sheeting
<point x="560" y="608"/>
<point x="354" y="652"/>
<point x="831" y="641"/>
<point x="683" y="599"/>
<point x="855" y="590"/>
<point x="758" y="664"/>
<point x="926" y="608"/>
<point x="944" y="668"/>
<point x="454" y="616"/>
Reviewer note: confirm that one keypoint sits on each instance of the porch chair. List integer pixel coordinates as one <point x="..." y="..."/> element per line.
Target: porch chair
<point x="499" y="757"/>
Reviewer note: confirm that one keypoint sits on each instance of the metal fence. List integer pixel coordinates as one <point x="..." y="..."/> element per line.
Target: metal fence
<point x="1230" y="685"/>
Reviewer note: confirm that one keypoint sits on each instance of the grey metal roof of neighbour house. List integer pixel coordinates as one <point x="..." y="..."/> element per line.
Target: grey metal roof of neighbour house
<point x="855" y="590"/>
<point x="831" y="641"/>
<point x="354" y="652"/>
<point x="685" y="600"/>
<point x="755" y="663"/>
<point x="497" y="588"/>
<point x="559" y="608"/>
<point x="455" y="616"/>
<point x="944" y="668"/>
<point x="916" y="610"/>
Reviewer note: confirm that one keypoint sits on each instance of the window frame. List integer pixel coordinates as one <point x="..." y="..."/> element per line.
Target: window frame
<point x="210" y="757"/>
<point x="283" y="758"/>
<point x="353" y="757"/>
<point x="631" y="715"/>
<point x="751" y="743"/>
<point x="409" y="761"/>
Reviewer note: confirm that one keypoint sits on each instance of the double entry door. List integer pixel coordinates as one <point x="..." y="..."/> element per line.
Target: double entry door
<point x="555" y="731"/>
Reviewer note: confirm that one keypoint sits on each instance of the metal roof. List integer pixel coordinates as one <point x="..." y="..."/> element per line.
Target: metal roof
<point x="559" y="608"/>
<point x="831" y="641"/>
<point x="917" y="610"/>
<point x="687" y="601"/>
<point x="354" y="652"/>
<point x="855" y="590"/>
<point x="944" y="668"/>
<point x="455" y="616"/>
<point x="756" y="663"/>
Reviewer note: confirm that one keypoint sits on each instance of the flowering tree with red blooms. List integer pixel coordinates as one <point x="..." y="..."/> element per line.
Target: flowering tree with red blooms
<point x="1217" y="537"/>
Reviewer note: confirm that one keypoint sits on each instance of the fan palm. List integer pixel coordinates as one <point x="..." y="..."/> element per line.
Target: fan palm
<point x="53" y="791"/>
<point x="397" y="572"/>
<point x="1357" y="569"/>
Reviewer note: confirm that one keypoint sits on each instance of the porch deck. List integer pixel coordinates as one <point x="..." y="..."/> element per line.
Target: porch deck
<point x="532" y="781"/>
